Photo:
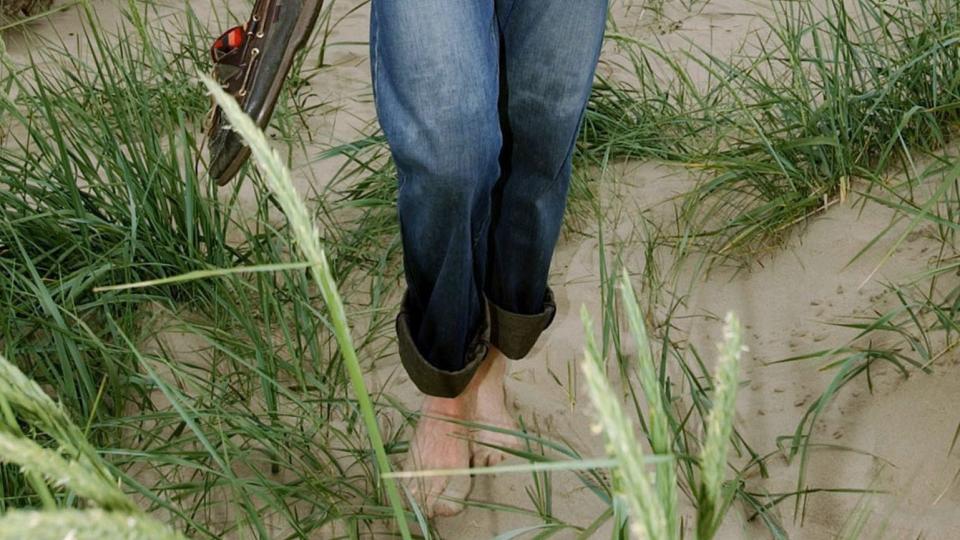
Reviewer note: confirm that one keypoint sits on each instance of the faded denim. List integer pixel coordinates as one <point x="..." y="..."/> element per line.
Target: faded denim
<point x="481" y="102"/>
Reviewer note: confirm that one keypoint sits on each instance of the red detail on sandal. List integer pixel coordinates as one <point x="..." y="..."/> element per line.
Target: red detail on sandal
<point x="229" y="41"/>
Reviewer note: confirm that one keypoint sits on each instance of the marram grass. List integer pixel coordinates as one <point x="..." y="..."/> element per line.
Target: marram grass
<point x="22" y="399"/>
<point x="651" y="497"/>
<point x="81" y="525"/>
<point x="837" y="96"/>
<point x="636" y="485"/>
<point x="59" y="472"/>
<point x="83" y="473"/>
<point x="713" y="500"/>
<point x="658" y="420"/>
<point x="277" y="178"/>
<point x="132" y="114"/>
<point x="100" y="189"/>
<point x="17" y="12"/>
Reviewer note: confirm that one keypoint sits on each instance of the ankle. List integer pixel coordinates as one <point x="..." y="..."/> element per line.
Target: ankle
<point x="457" y="407"/>
<point x="493" y="370"/>
<point x="493" y="367"/>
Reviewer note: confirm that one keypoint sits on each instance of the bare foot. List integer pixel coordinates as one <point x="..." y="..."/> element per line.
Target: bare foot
<point x="489" y="408"/>
<point x="440" y="444"/>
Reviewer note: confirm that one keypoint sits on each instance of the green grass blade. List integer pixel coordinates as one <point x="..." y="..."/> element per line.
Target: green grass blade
<point x="278" y="180"/>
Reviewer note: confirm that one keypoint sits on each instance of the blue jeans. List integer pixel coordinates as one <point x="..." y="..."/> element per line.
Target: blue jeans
<point x="481" y="103"/>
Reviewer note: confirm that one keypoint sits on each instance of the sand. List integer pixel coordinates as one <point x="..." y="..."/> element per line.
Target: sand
<point x="895" y="438"/>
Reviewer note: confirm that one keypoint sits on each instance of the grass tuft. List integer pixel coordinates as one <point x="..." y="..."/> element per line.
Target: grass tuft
<point x="652" y="498"/>
<point x="81" y="525"/>
<point x="278" y="180"/>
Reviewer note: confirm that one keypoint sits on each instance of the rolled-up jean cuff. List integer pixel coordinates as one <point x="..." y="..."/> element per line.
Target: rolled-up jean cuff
<point x="514" y="334"/>
<point x="430" y="379"/>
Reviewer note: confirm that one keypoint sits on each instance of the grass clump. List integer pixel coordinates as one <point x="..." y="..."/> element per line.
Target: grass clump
<point x="17" y="12"/>
<point x="841" y="95"/>
<point x="72" y="465"/>
<point x="101" y="189"/>
<point x="278" y="180"/>
<point x="836" y="96"/>
<point x="97" y="188"/>
<point x="652" y="498"/>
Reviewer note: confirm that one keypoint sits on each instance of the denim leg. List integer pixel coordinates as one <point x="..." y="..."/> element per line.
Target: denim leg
<point x="550" y="54"/>
<point x="435" y="75"/>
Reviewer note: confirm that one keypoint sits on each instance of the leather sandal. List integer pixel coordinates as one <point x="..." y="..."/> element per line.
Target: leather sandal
<point x="251" y="62"/>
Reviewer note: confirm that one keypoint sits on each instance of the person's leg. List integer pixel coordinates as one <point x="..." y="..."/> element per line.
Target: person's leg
<point x="550" y="50"/>
<point x="435" y="74"/>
